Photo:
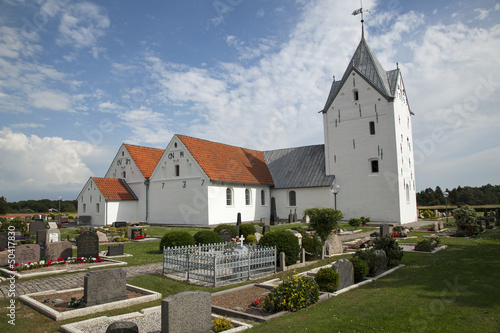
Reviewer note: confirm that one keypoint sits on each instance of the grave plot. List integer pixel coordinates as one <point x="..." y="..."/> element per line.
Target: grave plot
<point x="219" y="264"/>
<point x="103" y="290"/>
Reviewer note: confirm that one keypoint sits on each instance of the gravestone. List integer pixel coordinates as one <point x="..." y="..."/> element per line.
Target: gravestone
<point x="265" y="220"/>
<point x="266" y="228"/>
<point x="441" y="225"/>
<point x="381" y="263"/>
<point x="84" y="219"/>
<point x="294" y="217"/>
<point x="187" y="312"/>
<point x="48" y="236"/>
<point x="298" y="235"/>
<point x="119" y="224"/>
<point x="116" y="250"/>
<point x="282" y="263"/>
<point x="52" y="225"/>
<point x="346" y="270"/>
<point x="57" y="250"/>
<point x="274" y="216"/>
<point x="384" y="230"/>
<point x="258" y="236"/>
<point x="104" y="286"/>
<point x="64" y="219"/>
<point x="35" y="226"/>
<point x="101" y="236"/>
<point x="226" y="235"/>
<point x="487" y="223"/>
<point x="4" y="240"/>
<point x="333" y="245"/>
<point x="133" y="233"/>
<point x="303" y="256"/>
<point x="123" y="327"/>
<point x="27" y="253"/>
<point x="4" y="258"/>
<point x="87" y="245"/>
<point x="290" y="217"/>
<point x="238" y="219"/>
<point x="435" y="226"/>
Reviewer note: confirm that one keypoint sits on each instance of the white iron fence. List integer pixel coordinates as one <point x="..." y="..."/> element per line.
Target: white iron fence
<point x="218" y="264"/>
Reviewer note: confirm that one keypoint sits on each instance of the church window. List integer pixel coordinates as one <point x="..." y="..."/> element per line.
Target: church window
<point x="407" y="193"/>
<point x="339" y="116"/>
<point x="353" y="144"/>
<point x="292" y="198"/>
<point x="359" y="107"/>
<point x="356" y="95"/>
<point x="97" y="208"/>
<point x="372" y="128"/>
<point x="335" y="122"/>
<point x="177" y="170"/>
<point x="84" y="208"/>
<point x="175" y="144"/>
<point x="374" y="166"/>
<point x="124" y="174"/>
<point x="334" y="158"/>
<point x="229" y="196"/>
<point x="90" y="198"/>
<point x="247" y="197"/>
<point x="263" y="197"/>
<point x="123" y="153"/>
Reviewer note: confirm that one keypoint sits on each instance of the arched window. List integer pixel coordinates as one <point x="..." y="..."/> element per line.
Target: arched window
<point x="124" y="174"/>
<point x="355" y="95"/>
<point x="374" y="166"/>
<point x="292" y="198"/>
<point x="372" y="128"/>
<point x="407" y="193"/>
<point x="247" y="197"/>
<point x="263" y="197"/>
<point x="177" y="170"/>
<point x="229" y="196"/>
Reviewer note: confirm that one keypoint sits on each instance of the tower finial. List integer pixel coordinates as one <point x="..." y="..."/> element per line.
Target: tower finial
<point x="361" y="11"/>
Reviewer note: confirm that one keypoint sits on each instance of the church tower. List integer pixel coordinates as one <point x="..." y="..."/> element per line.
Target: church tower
<point x="368" y="141"/>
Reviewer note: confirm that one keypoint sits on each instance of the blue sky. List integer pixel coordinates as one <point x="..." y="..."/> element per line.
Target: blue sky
<point x="79" y="78"/>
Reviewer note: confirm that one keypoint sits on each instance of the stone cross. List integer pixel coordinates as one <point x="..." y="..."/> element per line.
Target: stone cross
<point x="241" y="240"/>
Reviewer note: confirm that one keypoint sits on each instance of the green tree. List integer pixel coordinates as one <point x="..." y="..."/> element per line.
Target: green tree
<point x="4" y="206"/>
<point x="323" y="221"/>
<point x="465" y="218"/>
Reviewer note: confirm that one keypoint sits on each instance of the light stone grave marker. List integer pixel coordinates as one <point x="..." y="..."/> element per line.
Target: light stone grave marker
<point x="27" y="253"/>
<point x="187" y="312"/>
<point x="104" y="286"/>
<point x="346" y="270"/>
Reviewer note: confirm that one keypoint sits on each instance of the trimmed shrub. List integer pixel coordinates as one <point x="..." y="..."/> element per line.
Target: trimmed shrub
<point x="391" y="248"/>
<point x="220" y="324"/>
<point x="176" y="238"/>
<point x="232" y="228"/>
<point x="364" y="220"/>
<point x="355" y="222"/>
<point x="247" y="230"/>
<point x="376" y="264"/>
<point x="465" y="218"/>
<point x="207" y="237"/>
<point x="427" y="245"/>
<point x="327" y="279"/>
<point x="294" y="293"/>
<point x="251" y="239"/>
<point x="285" y="241"/>
<point x="361" y="269"/>
<point x="312" y="245"/>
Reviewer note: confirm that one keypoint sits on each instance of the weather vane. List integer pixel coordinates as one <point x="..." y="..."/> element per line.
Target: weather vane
<point x="361" y="11"/>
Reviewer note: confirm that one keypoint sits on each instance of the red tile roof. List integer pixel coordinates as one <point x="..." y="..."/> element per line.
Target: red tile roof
<point x="114" y="189"/>
<point x="228" y="163"/>
<point x="145" y="158"/>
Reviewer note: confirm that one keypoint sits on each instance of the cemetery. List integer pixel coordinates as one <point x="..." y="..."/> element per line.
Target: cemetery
<point x="239" y="289"/>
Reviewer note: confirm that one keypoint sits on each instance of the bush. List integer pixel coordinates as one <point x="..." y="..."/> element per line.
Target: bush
<point x="312" y="245"/>
<point x="207" y="237"/>
<point x="364" y="220"/>
<point x="285" y="241"/>
<point x="300" y="230"/>
<point x="355" y="222"/>
<point x="125" y="239"/>
<point x="176" y="238"/>
<point x="251" y="239"/>
<point x="427" y="245"/>
<point x="294" y="293"/>
<point x="465" y="218"/>
<point x="323" y="221"/>
<point x="16" y="223"/>
<point x="376" y="264"/>
<point x="391" y="248"/>
<point x="327" y="279"/>
<point x="247" y="230"/>
<point x="29" y="241"/>
<point x="234" y="231"/>
<point x="361" y="269"/>
<point x="220" y="324"/>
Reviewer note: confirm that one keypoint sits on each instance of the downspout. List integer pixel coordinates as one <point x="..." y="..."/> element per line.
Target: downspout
<point x="146" y="182"/>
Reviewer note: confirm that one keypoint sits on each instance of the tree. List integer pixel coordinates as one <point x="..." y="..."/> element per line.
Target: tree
<point x="4" y="206"/>
<point x="465" y="218"/>
<point x="323" y="221"/>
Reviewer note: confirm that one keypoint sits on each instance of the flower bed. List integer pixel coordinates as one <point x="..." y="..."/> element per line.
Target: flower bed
<point x="60" y="261"/>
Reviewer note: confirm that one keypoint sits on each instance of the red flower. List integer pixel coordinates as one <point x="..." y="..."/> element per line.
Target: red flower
<point x="16" y="264"/>
<point x="64" y="261"/>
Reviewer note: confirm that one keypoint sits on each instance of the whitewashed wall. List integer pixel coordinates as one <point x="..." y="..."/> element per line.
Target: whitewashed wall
<point x="309" y="197"/>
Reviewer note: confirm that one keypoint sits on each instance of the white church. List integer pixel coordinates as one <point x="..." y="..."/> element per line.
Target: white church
<point x="368" y="153"/>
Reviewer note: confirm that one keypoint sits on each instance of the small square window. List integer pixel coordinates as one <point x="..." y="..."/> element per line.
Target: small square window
<point x="374" y="165"/>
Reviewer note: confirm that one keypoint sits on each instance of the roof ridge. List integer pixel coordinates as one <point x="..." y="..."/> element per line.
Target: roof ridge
<point x="219" y="143"/>
<point x="130" y="144"/>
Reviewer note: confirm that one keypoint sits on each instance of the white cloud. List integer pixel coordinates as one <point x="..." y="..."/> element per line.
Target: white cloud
<point x="44" y="164"/>
<point x="82" y="24"/>
<point x="147" y="127"/>
<point x="481" y="13"/>
<point x="51" y="99"/>
<point x="27" y="125"/>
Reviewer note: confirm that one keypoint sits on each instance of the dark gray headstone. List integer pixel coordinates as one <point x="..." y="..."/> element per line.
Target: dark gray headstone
<point x="295" y="215"/>
<point x="116" y="250"/>
<point x="35" y="226"/>
<point x="4" y="240"/>
<point x="187" y="312"/>
<point x="346" y="270"/>
<point x="487" y="223"/>
<point x="122" y="327"/>
<point x="27" y="253"/>
<point x="265" y="220"/>
<point x="57" y="250"/>
<point x="119" y="224"/>
<point x="384" y="230"/>
<point x="64" y="219"/>
<point x="380" y="263"/>
<point x="274" y="216"/>
<point x="135" y="232"/>
<point x="266" y="228"/>
<point x="238" y="219"/>
<point x="40" y="236"/>
<point x="87" y="245"/>
<point x="290" y="217"/>
<point x="104" y="286"/>
<point x="84" y="219"/>
<point x="226" y="235"/>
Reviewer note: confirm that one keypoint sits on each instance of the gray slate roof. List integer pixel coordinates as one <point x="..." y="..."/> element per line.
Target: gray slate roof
<point x="366" y="65"/>
<point x="298" y="167"/>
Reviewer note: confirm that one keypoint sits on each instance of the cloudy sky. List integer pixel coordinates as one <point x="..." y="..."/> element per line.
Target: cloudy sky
<point x="79" y="78"/>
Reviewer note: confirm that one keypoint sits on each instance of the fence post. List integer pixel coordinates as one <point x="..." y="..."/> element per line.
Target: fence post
<point x="215" y="270"/>
<point x="248" y="266"/>
<point x="187" y="256"/>
<point x="163" y="270"/>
